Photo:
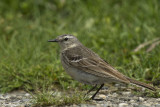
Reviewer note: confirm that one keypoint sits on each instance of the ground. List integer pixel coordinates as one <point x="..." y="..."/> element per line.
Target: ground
<point x="118" y="96"/>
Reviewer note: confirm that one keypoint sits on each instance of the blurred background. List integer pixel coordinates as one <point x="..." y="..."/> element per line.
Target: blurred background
<point x="111" y="28"/>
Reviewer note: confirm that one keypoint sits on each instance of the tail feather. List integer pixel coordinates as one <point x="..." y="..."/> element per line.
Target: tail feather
<point x="141" y="84"/>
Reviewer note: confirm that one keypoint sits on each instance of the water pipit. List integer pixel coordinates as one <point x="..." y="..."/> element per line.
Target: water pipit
<point x="85" y="66"/>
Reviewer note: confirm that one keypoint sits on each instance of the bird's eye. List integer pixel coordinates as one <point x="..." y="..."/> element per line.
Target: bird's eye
<point x="65" y="39"/>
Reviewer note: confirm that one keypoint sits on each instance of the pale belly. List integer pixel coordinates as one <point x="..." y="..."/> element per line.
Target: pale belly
<point x="82" y="76"/>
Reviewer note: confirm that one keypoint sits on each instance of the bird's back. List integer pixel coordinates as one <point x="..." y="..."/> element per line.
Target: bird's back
<point x="85" y="59"/>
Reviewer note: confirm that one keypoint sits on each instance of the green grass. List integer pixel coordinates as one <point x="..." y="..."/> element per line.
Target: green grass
<point x="113" y="29"/>
<point x="57" y="99"/>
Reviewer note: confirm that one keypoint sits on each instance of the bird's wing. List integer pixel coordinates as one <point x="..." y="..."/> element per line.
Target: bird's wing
<point x="93" y="64"/>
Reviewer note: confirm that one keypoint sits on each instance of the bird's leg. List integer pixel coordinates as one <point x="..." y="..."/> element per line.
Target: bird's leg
<point x="97" y="92"/>
<point x="91" y="90"/>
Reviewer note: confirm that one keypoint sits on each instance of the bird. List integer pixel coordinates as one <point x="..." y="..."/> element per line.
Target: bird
<point x="85" y="66"/>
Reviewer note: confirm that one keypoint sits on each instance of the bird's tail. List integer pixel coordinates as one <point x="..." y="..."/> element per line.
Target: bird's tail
<point x="141" y="84"/>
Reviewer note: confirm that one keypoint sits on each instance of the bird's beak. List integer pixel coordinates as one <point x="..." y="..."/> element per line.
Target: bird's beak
<point x="53" y="40"/>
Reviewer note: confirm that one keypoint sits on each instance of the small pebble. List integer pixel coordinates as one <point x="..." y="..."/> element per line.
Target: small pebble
<point x="126" y="93"/>
<point x="117" y="85"/>
<point x="102" y="96"/>
<point x="141" y="99"/>
<point x="147" y="104"/>
<point x="134" y="104"/>
<point x="27" y="94"/>
<point x="74" y="105"/>
<point x="132" y="101"/>
<point x="83" y="105"/>
<point x="158" y="99"/>
<point x="123" y="105"/>
<point x="114" y="94"/>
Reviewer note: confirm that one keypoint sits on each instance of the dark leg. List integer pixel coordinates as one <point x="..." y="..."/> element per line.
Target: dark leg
<point x="97" y="92"/>
<point x="91" y="90"/>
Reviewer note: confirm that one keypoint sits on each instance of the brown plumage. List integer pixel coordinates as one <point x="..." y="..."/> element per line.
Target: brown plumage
<point x="93" y="64"/>
<point x="87" y="67"/>
<point x="141" y="84"/>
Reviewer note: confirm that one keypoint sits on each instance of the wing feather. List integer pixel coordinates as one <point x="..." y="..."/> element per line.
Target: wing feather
<point x="93" y="64"/>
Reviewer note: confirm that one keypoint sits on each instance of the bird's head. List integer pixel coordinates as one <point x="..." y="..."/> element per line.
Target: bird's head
<point x="66" y="41"/>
